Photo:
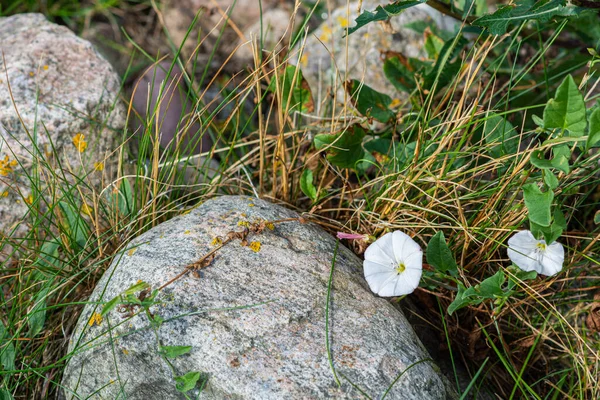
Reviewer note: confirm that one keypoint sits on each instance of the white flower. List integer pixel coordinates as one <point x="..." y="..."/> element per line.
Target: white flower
<point x="393" y="265"/>
<point x="530" y="254"/>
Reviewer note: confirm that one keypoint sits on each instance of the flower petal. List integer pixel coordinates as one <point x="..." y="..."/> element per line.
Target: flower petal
<point x="412" y="277"/>
<point x="374" y="268"/>
<point x="523" y="241"/>
<point x="414" y="261"/>
<point x="378" y="281"/>
<point x="381" y="251"/>
<point x="404" y="283"/>
<point x="552" y="259"/>
<point x="388" y="289"/>
<point x="349" y="236"/>
<point x="399" y="240"/>
<point x="522" y="251"/>
<point x="404" y="246"/>
<point x="525" y="261"/>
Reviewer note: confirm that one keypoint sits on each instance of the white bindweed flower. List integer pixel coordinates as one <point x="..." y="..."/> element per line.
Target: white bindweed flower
<point x="393" y="265"/>
<point x="530" y="254"/>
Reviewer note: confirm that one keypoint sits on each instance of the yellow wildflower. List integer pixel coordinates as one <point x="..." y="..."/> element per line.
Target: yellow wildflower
<point x="243" y="223"/>
<point x="251" y="205"/>
<point x="342" y="21"/>
<point x="31" y="73"/>
<point x="270" y="226"/>
<point x="4" y="194"/>
<point x="96" y="319"/>
<point x="6" y="166"/>
<point x="395" y="103"/>
<point x="45" y="67"/>
<point x="87" y="210"/>
<point x="187" y="232"/>
<point x="216" y="241"/>
<point x="254" y="246"/>
<point x="125" y="351"/>
<point x="325" y="34"/>
<point x="29" y="199"/>
<point x="132" y="251"/>
<point x="99" y="166"/>
<point x="79" y="142"/>
<point x="304" y="60"/>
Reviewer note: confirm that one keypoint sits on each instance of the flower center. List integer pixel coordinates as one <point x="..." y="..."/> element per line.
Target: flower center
<point x="400" y="269"/>
<point x="541" y="246"/>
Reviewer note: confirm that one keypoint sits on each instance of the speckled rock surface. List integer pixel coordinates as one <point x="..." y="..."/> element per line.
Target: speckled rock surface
<point x="244" y="25"/>
<point x="273" y="345"/>
<point x="329" y="58"/>
<point x="60" y="84"/>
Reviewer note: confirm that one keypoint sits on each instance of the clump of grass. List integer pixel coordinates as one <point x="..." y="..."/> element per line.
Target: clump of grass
<point x="536" y="345"/>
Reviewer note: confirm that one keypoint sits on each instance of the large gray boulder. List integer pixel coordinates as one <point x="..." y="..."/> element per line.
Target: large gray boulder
<point x="255" y="317"/>
<point x="60" y="87"/>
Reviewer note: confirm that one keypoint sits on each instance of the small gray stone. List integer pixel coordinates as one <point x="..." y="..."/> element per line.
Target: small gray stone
<point x="329" y="57"/>
<point x="255" y="319"/>
<point x="59" y="87"/>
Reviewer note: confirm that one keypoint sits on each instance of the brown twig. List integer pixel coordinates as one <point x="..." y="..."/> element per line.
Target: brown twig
<point x="196" y="265"/>
<point x="445" y="9"/>
<point x="205" y="260"/>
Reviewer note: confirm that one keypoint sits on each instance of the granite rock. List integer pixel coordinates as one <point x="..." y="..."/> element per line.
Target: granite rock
<point x="329" y="57"/>
<point x="254" y="318"/>
<point x="226" y="27"/>
<point x="53" y="86"/>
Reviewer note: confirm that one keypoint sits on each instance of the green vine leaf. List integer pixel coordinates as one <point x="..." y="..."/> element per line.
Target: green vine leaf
<point x="445" y="69"/>
<point x="560" y="159"/>
<point x="345" y="149"/>
<point x="501" y="135"/>
<point x="108" y="306"/>
<point x="538" y="204"/>
<point x="307" y="186"/>
<point x="37" y="316"/>
<point x="74" y="224"/>
<point x="5" y="395"/>
<point x="7" y="349"/>
<point x="490" y="288"/>
<point x="294" y="88"/>
<point x="566" y="111"/>
<point x="136" y="287"/>
<point x="370" y="102"/>
<point x="550" y="179"/>
<point x="382" y="13"/>
<point x="594" y="133"/>
<point x="398" y="70"/>
<point x="174" y="351"/>
<point x="559" y="225"/>
<point x="541" y="11"/>
<point x="440" y="256"/>
<point x="187" y="382"/>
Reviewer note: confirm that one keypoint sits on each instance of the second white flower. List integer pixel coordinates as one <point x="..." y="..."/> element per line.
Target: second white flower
<point x="530" y="254"/>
